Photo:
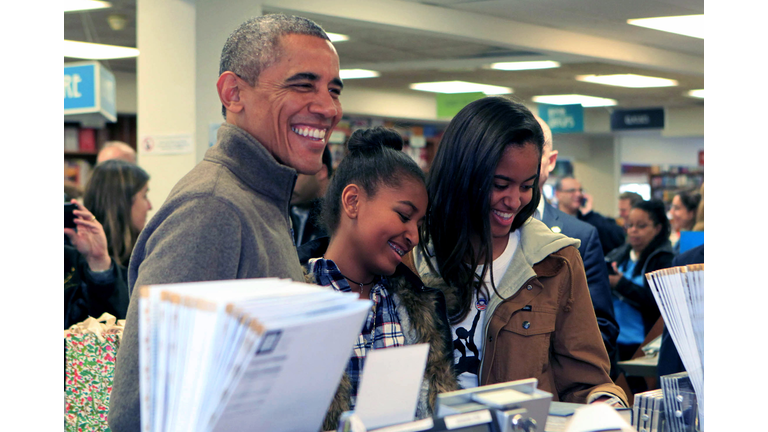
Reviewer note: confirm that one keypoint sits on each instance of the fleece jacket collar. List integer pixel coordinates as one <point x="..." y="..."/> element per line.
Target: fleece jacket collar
<point x="250" y="161"/>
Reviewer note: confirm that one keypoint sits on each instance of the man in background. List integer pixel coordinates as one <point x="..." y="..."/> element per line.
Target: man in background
<point x="572" y="200"/>
<point x="116" y="150"/>
<point x="307" y="200"/>
<point x="228" y="218"/>
<point x="626" y="201"/>
<point x="590" y="250"/>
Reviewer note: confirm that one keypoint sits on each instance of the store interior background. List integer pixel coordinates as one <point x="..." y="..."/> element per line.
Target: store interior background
<point x="170" y="87"/>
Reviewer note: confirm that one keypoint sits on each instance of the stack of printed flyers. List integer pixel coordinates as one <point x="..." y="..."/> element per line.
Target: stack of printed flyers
<point x="679" y="292"/>
<point x="234" y="355"/>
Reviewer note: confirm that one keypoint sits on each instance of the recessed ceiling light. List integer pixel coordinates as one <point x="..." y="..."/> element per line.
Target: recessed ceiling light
<point x="460" y="87"/>
<point x="525" y="65"/>
<point x="336" y="37"/>
<point x="686" y="25"/>
<point x="573" y="99"/>
<point x="696" y="93"/>
<point x="357" y="73"/>
<point x="92" y="51"/>
<point x="81" y="5"/>
<point x="628" y="80"/>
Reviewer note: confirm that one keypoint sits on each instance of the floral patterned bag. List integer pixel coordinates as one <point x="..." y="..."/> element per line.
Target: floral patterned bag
<point x="90" y="348"/>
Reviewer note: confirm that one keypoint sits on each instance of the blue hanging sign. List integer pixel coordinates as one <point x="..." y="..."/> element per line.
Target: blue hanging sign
<point x="89" y="88"/>
<point x="563" y="118"/>
<point x="652" y="118"/>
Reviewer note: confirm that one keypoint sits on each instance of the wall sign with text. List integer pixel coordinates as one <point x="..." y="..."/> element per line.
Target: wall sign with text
<point x="652" y="118"/>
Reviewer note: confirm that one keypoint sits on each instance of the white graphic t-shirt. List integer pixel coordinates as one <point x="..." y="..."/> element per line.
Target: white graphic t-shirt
<point x="469" y="334"/>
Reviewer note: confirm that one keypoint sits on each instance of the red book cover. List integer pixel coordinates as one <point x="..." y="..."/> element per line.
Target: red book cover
<point x="87" y="140"/>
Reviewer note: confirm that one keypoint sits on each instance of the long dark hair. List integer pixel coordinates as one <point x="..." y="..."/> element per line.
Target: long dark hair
<point x="109" y="196"/>
<point x="657" y="213"/>
<point x="373" y="159"/>
<point x="459" y="188"/>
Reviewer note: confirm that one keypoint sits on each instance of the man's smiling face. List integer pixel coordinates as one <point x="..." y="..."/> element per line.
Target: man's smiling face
<point x="294" y="105"/>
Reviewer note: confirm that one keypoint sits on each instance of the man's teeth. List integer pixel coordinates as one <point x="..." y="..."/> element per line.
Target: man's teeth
<point x="396" y="249"/>
<point x="310" y="132"/>
<point x="504" y="215"/>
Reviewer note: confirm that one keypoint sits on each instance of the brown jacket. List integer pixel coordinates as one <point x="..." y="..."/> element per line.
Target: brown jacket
<point x="544" y="327"/>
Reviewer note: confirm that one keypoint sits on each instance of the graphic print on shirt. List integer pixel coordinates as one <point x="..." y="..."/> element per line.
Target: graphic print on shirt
<point x="468" y="361"/>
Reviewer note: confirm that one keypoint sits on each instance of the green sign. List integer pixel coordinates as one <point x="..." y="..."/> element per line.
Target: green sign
<point x="448" y="105"/>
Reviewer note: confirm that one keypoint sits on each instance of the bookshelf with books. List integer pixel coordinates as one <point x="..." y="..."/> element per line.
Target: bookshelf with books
<point x="665" y="185"/>
<point x="82" y="144"/>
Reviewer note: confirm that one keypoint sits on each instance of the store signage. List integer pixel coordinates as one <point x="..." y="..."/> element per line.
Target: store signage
<point x="89" y="88"/>
<point x="448" y="105"/>
<point x="563" y="118"/>
<point x="652" y="118"/>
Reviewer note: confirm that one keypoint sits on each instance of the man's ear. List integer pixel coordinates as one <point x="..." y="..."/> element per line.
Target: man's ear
<point x="552" y="160"/>
<point x="350" y="199"/>
<point x="228" y="87"/>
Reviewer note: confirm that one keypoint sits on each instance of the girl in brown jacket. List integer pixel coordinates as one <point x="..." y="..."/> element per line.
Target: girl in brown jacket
<point x="516" y="292"/>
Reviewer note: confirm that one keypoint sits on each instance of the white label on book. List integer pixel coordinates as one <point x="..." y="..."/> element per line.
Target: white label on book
<point x="467" y="419"/>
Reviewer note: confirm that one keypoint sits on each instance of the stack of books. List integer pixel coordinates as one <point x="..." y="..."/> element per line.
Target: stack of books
<point x="243" y="354"/>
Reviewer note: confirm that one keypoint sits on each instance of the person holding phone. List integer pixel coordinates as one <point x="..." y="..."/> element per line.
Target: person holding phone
<point x="572" y="200"/>
<point x="93" y="282"/>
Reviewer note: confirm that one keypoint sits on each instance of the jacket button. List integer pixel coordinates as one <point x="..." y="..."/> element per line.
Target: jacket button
<point x="526" y="325"/>
<point x="490" y="338"/>
<point x="529" y="287"/>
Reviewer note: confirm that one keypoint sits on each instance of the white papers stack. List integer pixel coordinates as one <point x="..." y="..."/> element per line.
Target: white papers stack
<point x="679" y="292"/>
<point x="234" y="355"/>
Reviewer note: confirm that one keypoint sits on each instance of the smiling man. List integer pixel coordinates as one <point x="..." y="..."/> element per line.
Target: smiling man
<point x="228" y="218"/>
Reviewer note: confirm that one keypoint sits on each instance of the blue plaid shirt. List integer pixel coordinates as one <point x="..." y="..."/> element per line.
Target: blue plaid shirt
<point x="382" y="318"/>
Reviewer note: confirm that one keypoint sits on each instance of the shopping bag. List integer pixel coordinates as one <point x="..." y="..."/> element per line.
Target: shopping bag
<point x="90" y="349"/>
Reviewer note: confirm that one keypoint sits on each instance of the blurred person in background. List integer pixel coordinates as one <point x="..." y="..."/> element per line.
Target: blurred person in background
<point x="116" y="150"/>
<point x="626" y="201"/>
<point x="572" y="200"/>
<point x="647" y="249"/>
<point x="682" y="215"/>
<point x="93" y="282"/>
<point x="116" y="194"/>
<point x="306" y="201"/>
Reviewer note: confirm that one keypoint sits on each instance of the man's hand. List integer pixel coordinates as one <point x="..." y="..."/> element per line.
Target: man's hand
<point x="89" y="239"/>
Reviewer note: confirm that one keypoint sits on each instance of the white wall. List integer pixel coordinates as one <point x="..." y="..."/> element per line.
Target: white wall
<point x="655" y="149"/>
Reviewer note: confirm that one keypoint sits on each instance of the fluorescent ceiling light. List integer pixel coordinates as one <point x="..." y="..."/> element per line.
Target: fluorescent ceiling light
<point x="573" y="99"/>
<point x="628" y="80"/>
<point x="335" y="37"/>
<point x="525" y="65"/>
<point x="460" y="87"/>
<point x="357" y="73"/>
<point x="696" y="93"/>
<point x="686" y="25"/>
<point x="81" y="5"/>
<point x="92" y="51"/>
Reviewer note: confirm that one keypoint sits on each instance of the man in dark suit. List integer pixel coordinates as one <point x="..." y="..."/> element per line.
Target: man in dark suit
<point x="590" y="249"/>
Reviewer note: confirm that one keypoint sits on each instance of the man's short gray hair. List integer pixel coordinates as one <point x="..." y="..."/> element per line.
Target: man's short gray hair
<point x="255" y="45"/>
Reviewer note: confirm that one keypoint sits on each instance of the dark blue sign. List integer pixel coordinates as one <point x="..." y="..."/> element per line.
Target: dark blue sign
<point x="652" y="118"/>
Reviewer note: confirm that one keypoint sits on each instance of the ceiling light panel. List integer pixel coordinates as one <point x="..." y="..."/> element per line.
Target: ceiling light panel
<point x="527" y="65"/>
<point x="336" y="37"/>
<point x="357" y="73"/>
<point x="460" y="87"/>
<point x="91" y="51"/>
<point x="696" y="93"/>
<point x="628" y="80"/>
<point x="686" y="25"/>
<point x="82" y="5"/>
<point x="573" y="99"/>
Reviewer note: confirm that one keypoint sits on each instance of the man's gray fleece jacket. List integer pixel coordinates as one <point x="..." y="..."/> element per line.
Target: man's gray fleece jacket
<point x="228" y="218"/>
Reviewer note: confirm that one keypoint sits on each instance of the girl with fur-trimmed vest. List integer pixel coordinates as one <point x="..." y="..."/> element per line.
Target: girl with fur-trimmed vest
<point x="372" y="209"/>
<point x="516" y="292"/>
